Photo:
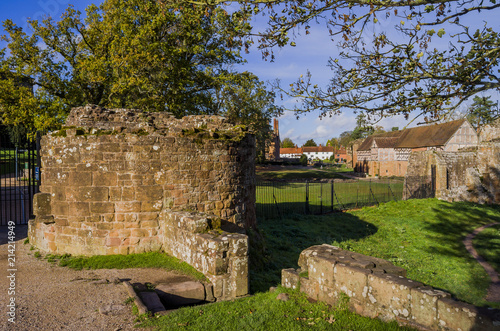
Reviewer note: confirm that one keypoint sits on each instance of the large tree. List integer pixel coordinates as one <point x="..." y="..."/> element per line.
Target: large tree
<point x="382" y="73"/>
<point x="482" y="111"/>
<point x="244" y="100"/>
<point x="145" y="54"/>
<point x="287" y="143"/>
<point x="310" y="143"/>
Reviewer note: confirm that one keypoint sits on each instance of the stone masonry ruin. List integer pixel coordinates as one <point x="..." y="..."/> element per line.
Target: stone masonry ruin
<point x="470" y="174"/>
<point x="119" y="181"/>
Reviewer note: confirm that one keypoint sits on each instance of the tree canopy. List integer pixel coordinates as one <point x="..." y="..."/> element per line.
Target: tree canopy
<point x="438" y="58"/>
<point x="287" y="143"/>
<point x="146" y="54"/>
<point x="310" y="143"/>
<point x="482" y="111"/>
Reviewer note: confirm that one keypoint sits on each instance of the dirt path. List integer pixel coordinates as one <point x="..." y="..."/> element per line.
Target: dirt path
<point x="49" y="297"/>
<point x="494" y="289"/>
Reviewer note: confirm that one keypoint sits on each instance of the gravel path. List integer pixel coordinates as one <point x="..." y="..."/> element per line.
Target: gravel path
<point x="49" y="297"/>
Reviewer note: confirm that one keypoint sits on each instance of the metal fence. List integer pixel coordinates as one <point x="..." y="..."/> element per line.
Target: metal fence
<point x="276" y="199"/>
<point x="18" y="180"/>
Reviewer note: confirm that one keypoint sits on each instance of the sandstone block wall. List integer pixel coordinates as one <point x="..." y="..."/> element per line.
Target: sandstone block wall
<point x="114" y="180"/>
<point x="377" y="288"/>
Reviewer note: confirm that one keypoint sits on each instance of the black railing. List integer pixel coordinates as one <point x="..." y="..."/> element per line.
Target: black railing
<point x="19" y="180"/>
<point x="275" y="199"/>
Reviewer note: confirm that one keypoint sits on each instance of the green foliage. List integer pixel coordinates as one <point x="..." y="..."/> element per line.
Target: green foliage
<point x="264" y="312"/>
<point x="151" y="55"/>
<point x="287" y="143"/>
<point x="482" y="111"/>
<point x="334" y="142"/>
<point x="413" y="70"/>
<point x="310" y="143"/>
<point x="244" y="100"/>
<point x="303" y="160"/>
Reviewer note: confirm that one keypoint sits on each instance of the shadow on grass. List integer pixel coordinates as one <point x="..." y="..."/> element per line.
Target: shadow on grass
<point x="457" y="220"/>
<point x="284" y="240"/>
<point x="452" y="223"/>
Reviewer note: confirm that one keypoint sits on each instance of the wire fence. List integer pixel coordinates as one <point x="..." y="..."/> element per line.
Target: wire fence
<point x="276" y="199"/>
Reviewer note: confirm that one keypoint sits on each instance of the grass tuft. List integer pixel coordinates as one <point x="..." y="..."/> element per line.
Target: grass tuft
<point x="143" y="260"/>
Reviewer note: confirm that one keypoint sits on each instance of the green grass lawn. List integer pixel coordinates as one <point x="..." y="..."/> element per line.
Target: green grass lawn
<point x="143" y="260"/>
<point x="8" y="163"/>
<point x="487" y="244"/>
<point x="297" y="173"/>
<point x="422" y="236"/>
<point x="264" y="312"/>
<point x="282" y="198"/>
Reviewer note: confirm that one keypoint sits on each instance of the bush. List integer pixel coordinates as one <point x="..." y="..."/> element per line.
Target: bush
<point x="303" y="160"/>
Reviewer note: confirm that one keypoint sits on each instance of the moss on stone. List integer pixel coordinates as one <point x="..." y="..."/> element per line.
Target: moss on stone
<point x="60" y="133"/>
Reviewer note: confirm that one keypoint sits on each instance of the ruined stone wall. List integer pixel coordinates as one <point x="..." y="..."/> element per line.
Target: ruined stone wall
<point x="376" y="288"/>
<point x="112" y="180"/>
<point x="221" y="256"/>
<point x="471" y="174"/>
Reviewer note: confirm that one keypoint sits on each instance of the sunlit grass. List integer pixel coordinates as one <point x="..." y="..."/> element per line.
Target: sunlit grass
<point x="423" y="236"/>
<point x="264" y="312"/>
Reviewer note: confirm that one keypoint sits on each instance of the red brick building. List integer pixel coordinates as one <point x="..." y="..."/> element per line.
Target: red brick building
<point x="387" y="154"/>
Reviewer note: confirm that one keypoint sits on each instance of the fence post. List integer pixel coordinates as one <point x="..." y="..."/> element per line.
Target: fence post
<point x="307" y="197"/>
<point x="373" y="195"/>
<point x="331" y="195"/>
<point x="321" y="198"/>
<point x="357" y="193"/>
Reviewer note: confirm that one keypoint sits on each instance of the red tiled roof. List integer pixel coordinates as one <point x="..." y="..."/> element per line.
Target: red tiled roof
<point x="292" y="150"/>
<point x="313" y="149"/>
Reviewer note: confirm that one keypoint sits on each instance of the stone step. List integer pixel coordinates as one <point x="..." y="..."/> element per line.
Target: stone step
<point x="152" y="302"/>
<point x="181" y="294"/>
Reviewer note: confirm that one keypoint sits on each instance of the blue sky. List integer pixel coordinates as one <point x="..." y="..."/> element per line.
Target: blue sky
<point x="311" y="53"/>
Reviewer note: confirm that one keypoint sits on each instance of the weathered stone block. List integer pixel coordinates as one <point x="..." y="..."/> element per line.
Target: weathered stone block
<point x="455" y="315"/>
<point x="88" y="193"/>
<point x="151" y="206"/>
<point x="392" y="295"/>
<point x="321" y="270"/>
<point x="128" y="207"/>
<point x="104" y="178"/>
<point x="290" y="278"/>
<point x="41" y="204"/>
<point x="350" y="280"/>
<point x="102" y="207"/>
<point x="79" y="208"/>
<point x="309" y="287"/>
<point x="424" y="305"/>
<point x="239" y="275"/>
<point x="80" y="178"/>
<point x="149" y="193"/>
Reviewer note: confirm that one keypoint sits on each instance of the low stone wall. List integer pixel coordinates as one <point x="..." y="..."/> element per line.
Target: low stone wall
<point x="219" y="255"/>
<point x="377" y="288"/>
